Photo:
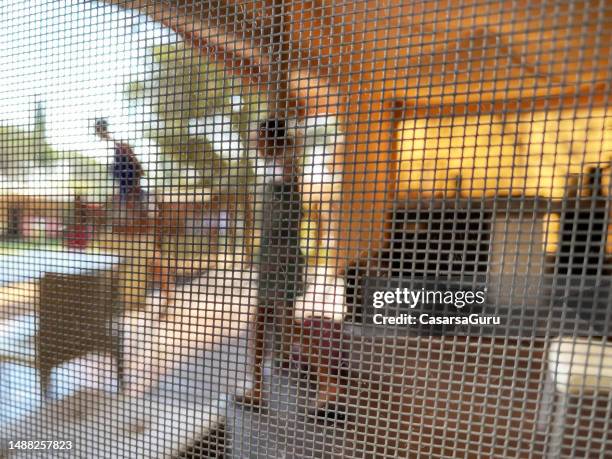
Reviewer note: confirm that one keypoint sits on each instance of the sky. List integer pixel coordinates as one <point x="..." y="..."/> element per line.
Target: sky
<point x="76" y="57"/>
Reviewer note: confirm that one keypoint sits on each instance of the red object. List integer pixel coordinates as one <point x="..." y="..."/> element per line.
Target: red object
<point x="78" y="236"/>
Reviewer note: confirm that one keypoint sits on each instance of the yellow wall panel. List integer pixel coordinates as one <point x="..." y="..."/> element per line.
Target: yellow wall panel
<point x="532" y="154"/>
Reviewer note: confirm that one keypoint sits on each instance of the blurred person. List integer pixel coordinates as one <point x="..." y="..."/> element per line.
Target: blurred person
<point x="126" y="168"/>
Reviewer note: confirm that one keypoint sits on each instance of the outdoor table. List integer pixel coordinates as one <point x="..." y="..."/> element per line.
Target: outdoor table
<point x="78" y="303"/>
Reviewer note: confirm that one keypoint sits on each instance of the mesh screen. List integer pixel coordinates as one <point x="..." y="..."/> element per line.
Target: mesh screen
<point x="290" y="228"/>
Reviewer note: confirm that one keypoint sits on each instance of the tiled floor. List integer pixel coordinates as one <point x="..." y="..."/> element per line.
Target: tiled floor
<point x="410" y="397"/>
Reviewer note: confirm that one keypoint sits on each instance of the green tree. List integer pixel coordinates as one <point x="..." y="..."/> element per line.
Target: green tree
<point x="26" y="154"/>
<point x="22" y="149"/>
<point x="196" y="108"/>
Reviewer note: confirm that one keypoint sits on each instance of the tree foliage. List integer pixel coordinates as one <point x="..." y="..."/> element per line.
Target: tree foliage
<point x="26" y="157"/>
<point x="195" y="109"/>
<point x="21" y="150"/>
